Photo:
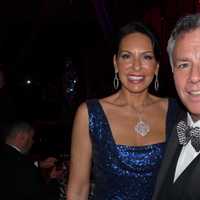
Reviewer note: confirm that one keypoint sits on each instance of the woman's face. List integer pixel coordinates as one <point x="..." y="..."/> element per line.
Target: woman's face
<point x="135" y="62"/>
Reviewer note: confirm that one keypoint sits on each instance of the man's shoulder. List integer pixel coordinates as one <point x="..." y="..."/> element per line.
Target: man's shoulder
<point x="14" y="159"/>
<point x="9" y="152"/>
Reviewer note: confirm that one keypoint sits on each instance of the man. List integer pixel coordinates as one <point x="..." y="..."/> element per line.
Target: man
<point x="20" y="178"/>
<point x="179" y="176"/>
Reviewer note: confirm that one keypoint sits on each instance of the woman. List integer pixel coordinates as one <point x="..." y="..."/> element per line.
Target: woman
<point x="123" y="135"/>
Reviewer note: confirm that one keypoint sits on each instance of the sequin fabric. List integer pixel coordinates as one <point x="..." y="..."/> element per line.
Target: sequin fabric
<point x="120" y="172"/>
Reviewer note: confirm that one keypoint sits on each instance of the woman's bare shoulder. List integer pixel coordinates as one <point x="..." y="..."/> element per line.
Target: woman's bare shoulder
<point x="108" y="101"/>
<point x="81" y="110"/>
<point x="161" y="102"/>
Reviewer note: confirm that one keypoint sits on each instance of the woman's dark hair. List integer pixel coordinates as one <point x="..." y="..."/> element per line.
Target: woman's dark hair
<point x="138" y="27"/>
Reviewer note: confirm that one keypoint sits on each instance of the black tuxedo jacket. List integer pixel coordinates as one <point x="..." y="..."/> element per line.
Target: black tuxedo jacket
<point x="20" y="178"/>
<point x="187" y="186"/>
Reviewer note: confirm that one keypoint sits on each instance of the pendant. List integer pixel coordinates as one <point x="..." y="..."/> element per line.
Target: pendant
<point x="142" y="128"/>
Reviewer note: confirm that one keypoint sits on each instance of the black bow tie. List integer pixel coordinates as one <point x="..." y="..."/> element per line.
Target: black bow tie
<point x="186" y="133"/>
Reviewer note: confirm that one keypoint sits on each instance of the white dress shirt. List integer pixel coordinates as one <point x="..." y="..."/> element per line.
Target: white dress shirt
<point x="15" y="147"/>
<point x="188" y="152"/>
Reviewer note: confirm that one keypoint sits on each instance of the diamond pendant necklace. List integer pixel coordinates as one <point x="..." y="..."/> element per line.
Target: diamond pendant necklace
<point x="142" y="128"/>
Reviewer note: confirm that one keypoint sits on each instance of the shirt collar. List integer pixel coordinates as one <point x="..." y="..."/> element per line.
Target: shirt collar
<point x="191" y="123"/>
<point x="13" y="146"/>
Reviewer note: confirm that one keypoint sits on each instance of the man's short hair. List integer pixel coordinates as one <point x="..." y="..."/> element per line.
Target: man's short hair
<point x="18" y="127"/>
<point x="184" y="25"/>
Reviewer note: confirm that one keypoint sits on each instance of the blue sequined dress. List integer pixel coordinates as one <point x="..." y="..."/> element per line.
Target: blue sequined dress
<point x="120" y="172"/>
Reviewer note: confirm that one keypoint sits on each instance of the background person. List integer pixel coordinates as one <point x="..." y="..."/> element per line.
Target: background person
<point x="20" y="177"/>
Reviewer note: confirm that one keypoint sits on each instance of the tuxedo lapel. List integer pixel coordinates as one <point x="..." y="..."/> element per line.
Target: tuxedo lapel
<point x="187" y="184"/>
<point x="170" y="152"/>
<point x="194" y="175"/>
<point x="171" y="149"/>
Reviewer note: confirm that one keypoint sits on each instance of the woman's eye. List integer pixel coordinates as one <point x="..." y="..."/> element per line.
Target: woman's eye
<point x="148" y="57"/>
<point x="125" y="56"/>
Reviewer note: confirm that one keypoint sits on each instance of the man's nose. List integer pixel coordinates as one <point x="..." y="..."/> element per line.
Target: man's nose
<point x="195" y="73"/>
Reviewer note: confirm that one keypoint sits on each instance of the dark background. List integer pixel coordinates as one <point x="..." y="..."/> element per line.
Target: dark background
<point x="57" y="53"/>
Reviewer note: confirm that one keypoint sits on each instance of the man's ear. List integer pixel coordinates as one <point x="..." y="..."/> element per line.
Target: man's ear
<point x="115" y="63"/>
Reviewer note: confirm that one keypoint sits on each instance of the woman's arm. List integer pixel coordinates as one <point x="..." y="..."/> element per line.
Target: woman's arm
<point x="80" y="162"/>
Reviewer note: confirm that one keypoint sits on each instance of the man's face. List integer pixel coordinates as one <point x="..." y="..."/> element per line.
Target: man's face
<point x="27" y="142"/>
<point x="186" y="59"/>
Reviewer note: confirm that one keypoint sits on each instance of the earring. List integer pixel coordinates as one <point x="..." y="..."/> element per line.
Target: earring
<point x="116" y="82"/>
<point x="156" y="83"/>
